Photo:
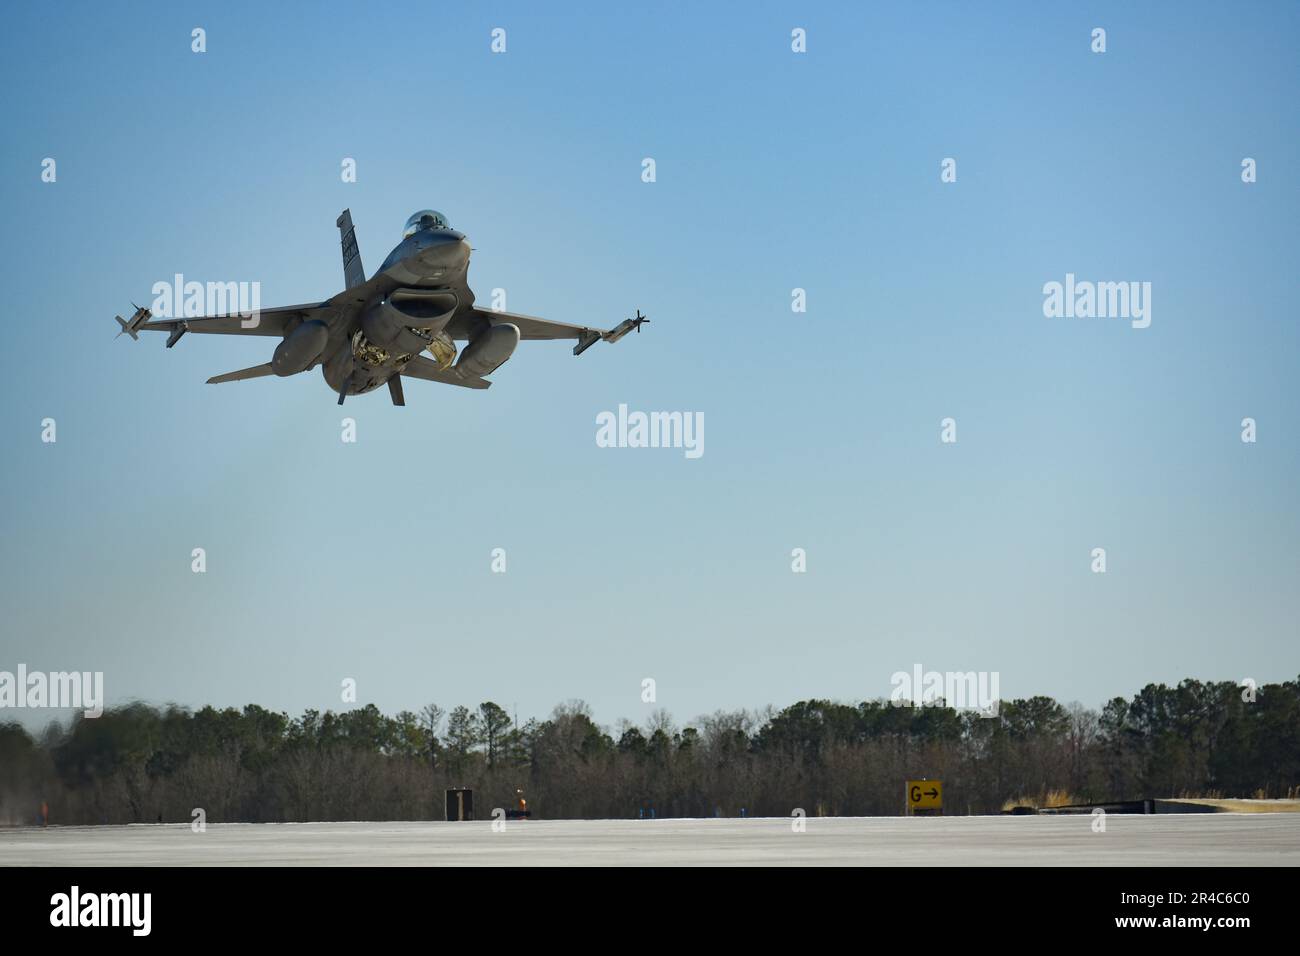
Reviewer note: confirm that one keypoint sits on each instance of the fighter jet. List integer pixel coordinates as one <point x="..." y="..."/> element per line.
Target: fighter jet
<point x="378" y="330"/>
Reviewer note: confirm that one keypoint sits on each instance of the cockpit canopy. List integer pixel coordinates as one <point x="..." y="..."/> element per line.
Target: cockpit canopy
<point x="425" y="219"/>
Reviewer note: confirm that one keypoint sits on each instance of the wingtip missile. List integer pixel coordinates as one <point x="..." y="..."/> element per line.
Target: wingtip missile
<point x="132" y="325"/>
<point x="590" y="337"/>
<point x="624" y="327"/>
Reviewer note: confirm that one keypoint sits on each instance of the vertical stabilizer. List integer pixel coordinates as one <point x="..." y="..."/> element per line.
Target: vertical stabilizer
<point x="353" y="272"/>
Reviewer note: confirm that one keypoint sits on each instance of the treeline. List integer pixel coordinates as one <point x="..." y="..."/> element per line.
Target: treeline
<point x="144" y="764"/>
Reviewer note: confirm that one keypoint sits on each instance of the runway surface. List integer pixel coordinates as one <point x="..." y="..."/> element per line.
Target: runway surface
<point x="1221" y="839"/>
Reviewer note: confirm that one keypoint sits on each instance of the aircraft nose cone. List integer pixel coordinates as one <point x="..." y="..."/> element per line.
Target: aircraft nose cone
<point x="448" y="249"/>
<point x="440" y="256"/>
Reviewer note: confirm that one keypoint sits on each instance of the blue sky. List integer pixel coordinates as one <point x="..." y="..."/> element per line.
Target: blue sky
<point x="774" y="171"/>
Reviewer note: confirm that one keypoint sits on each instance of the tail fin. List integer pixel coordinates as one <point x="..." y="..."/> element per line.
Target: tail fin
<point x="353" y="272"/>
<point x="125" y="328"/>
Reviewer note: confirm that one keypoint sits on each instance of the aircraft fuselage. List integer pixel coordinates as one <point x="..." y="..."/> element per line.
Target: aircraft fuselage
<point x="407" y="305"/>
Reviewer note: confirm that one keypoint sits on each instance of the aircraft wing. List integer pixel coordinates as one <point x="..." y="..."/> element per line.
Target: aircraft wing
<point x="269" y="321"/>
<point x="531" y="327"/>
<point x="427" y="369"/>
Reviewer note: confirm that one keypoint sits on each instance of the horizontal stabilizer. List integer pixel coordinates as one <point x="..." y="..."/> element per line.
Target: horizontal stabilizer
<point x="427" y="369"/>
<point x="257" y="371"/>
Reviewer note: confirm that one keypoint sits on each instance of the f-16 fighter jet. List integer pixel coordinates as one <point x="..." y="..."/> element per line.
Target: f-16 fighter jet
<point x="402" y="322"/>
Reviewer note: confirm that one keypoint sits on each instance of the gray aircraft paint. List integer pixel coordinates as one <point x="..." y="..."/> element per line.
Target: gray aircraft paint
<point x="377" y="330"/>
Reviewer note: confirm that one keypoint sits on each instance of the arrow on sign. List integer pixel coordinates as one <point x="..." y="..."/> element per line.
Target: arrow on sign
<point x="932" y="793"/>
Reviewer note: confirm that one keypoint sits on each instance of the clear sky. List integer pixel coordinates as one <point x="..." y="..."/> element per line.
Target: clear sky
<point x="775" y="171"/>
